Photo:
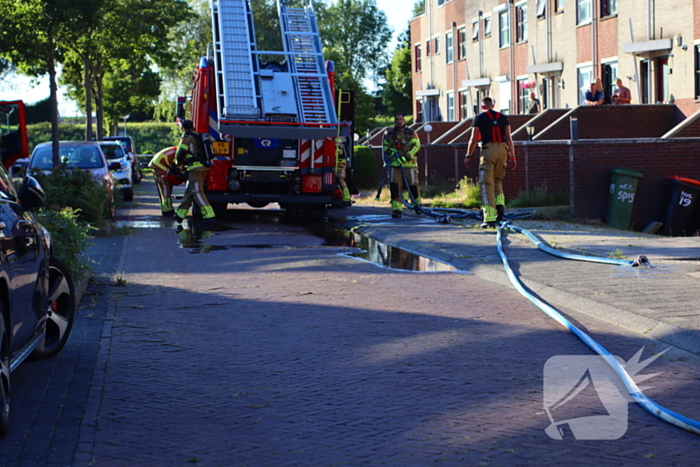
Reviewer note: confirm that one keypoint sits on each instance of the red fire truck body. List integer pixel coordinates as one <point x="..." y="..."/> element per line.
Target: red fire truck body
<point x="274" y="129"/>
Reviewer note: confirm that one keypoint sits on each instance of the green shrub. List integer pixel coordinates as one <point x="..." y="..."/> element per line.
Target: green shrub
<point x="76" y="189"/>
<point x="69" y="237"/>
<point x="365" y="168"/>
<point x="466" y="195"/>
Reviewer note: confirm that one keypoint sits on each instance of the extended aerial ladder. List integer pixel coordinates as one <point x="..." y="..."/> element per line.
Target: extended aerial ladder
<point x="293" y="101"/>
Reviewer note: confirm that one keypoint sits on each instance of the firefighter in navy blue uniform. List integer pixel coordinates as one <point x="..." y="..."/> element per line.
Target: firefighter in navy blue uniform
<point x="401" y="145"/>
<point x="190" y="155"/>
<point x="493" y="129"/>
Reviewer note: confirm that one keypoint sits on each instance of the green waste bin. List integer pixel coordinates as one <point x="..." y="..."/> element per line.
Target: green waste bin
<point x="623" y="186"/>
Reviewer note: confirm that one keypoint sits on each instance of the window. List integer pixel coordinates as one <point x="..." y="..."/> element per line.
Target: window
<point x="697" y="71"/>
<point x="585" y="78"/>
<point x="416" y="53"/>
<point x="463" y="104"/>
<point x="487" y="26"/>
<point x="475" y="31"/>
<point x="558" y="6"/>
<point x="523" y="95"/>
<point x="436" y="51"/>
<point x="427" y="48"/>
<point x="462" y="44"/>
<point x="583" y="11"/>
<point x="449" y="51"/>
<point x="541" y="9"/>
<point x="504" y="28"/>
<point x="608" y="8"/>
<point x="521" y="22"/>
<point x="451" y="107"/>
<point x="440" y="2"/>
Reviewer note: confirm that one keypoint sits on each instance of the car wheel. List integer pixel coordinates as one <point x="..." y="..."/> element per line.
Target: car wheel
<point x="4" y="375"/>
<point x="129" y="194"/>
<point x="137" y="176"/>
<point x="60" y="310"/>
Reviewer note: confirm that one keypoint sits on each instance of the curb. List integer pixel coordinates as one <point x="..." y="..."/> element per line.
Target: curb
<point x="676" y="336"/>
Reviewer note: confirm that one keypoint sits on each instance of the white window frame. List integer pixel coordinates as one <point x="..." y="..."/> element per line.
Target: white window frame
<point x="475" y="31"/>
<point x="584" y="77"/>
<point x="558" y="6"/>
<point x="451" y="107"/>
<point x="463" y="98"/>
<point x="462" y="43"/>
<point x="449" y="47"/>
<point x="504" y="29"/>
<point x="436" y="45"/>
<point x="612" y="8"/>
<point x="541" y="9"/>
<point x="487" y="26"/>
<point x="584" y="11"/>
<point x="521" y="12"/>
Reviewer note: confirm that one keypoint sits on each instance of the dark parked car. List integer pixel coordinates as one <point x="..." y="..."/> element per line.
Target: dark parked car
<point x="37" y="299"/>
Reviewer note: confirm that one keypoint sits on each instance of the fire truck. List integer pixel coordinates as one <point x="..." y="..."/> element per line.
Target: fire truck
<point x="277" y="129"/>
<point x="13" y="133"/>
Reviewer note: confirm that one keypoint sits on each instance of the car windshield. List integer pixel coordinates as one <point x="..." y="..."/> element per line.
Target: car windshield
<point x="112" y="151"/>
<point x="80" y="157"/>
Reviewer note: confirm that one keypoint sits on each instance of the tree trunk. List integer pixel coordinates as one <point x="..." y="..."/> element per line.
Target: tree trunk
<point x="88" y="97"/>
<point x="53" y="99"/>
<point x="99" y="102"/>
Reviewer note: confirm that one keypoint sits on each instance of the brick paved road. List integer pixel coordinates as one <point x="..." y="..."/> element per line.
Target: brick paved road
<point x="257" y="346"/>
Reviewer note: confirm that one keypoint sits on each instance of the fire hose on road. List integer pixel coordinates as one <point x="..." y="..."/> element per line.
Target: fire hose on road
<point x="446" y="215"/>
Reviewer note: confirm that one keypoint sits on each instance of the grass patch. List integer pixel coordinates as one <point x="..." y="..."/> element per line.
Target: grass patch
<point x="465" y="195"/>
<point x="540" y="196"/>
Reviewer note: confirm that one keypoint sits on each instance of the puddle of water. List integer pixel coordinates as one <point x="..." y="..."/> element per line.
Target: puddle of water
<point x="387" y="256"/>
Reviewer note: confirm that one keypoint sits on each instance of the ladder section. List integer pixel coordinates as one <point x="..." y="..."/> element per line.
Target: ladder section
<point x="305" y="57"/>
<point x="234" y="42"/>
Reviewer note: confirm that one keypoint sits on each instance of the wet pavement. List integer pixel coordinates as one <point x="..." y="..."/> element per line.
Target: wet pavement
<point x="253" y="343"/>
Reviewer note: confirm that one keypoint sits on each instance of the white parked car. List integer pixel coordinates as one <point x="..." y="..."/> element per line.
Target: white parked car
<point x="123" y="175"/>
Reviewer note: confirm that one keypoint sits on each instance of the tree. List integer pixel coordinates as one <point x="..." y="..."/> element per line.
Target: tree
<point x="398" y="89"/>
<point x="30" y="33"/>
<point x="357" y="33"/>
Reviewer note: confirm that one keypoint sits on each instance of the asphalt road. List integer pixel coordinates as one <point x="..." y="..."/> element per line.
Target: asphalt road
<point x="254" y="344"/>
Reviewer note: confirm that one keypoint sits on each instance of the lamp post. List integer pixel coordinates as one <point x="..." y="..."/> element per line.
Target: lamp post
<point x="530" y="128"/>
<point x="126" y="117"/>
<point x="427" y="128"/>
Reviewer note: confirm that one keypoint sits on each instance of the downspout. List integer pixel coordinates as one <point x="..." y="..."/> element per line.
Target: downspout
<point x="548" y="42"/>
<point x="480" y="38"/>
<point x="455" y="95"/>
<point x="431" y="99"/>
<point x="594" y="49"/>
<point x="511" y="60"/>
<point x="649" y="31"/>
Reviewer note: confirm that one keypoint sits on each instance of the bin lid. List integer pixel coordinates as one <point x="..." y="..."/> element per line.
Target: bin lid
<point x="686" y="180"/>
<point x="628" y="172"/>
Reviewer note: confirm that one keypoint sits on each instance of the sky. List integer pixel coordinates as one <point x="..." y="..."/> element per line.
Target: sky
<point x="31" y="90"/>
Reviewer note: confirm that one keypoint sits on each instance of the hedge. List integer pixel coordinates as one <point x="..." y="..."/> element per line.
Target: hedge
<point x="149" y="137"/>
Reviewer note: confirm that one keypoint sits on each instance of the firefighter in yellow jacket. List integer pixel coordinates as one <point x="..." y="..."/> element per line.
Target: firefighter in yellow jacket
<point x="190" y="154"/>
<point x="401" y="145"/>
<point x="160" y="163"/>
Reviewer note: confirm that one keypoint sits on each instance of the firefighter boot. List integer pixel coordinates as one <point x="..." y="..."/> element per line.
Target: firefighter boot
<point x="180" y="215"/>
<point x="396" y="209"/>
<point x="501" y="210"/>
<point x="207" y="214"/>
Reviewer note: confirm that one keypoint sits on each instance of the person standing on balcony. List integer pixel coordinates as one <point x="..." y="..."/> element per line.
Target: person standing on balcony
<point x="493" y="129"/>
<point x="594" y="96"/>
<point x="622" y="94"/>
<point x="533" y="106"/>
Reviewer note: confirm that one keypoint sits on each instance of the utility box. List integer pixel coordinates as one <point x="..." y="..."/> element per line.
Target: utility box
<point x="681" y="206"/>
<point x="623" y="186"/>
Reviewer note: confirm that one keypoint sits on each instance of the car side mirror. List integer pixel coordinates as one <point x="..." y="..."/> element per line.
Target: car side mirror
<point x="115" y="166"/>
<point x="30" y="193"/>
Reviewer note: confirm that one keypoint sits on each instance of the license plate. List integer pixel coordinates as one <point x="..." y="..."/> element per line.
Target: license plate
<point x="221" y="147"/>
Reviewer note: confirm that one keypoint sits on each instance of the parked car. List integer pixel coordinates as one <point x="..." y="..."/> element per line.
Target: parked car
<point x="86" y="155"/>
<point x="19" y="168"/>
<point x="128" y="145"/>
<point x="37" y="298"/>
<point x="123" y="176"/>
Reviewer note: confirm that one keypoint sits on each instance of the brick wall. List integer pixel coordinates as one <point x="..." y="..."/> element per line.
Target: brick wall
<point x="616" y="121"/>
<point x="581" y="168"/>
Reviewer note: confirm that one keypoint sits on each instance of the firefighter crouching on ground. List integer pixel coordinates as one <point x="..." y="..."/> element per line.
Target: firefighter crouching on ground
<point x="160" y="164"/>
<point x="190" y="154"/>
<point x="401" y="144"/>
<point x="493" y="129"/>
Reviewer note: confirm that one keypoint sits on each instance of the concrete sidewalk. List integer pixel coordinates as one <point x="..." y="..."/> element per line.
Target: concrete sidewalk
<point x="661" y="302"/>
